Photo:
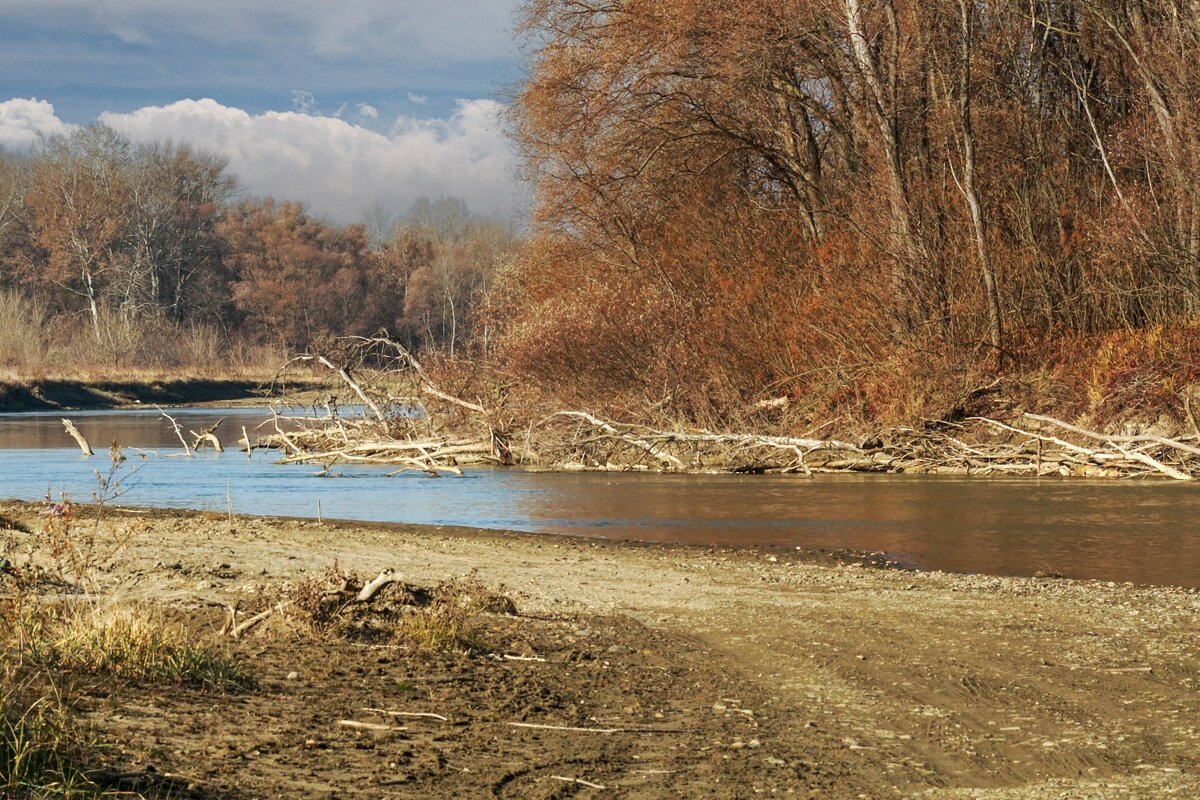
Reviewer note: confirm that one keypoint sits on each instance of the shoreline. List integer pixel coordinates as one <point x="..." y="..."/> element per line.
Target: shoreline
<point x="852" y="681"/>
<point x="1103" y="458"/>
<point x="1104" y="552"/>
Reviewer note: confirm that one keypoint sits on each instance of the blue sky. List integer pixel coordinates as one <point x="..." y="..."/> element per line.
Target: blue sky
<point x="419" y="73"/>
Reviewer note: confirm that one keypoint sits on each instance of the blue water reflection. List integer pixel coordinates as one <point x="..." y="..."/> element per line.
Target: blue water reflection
<point x="1144" y="532"/>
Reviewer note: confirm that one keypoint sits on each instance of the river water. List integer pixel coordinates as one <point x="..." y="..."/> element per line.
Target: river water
<point x="1146" y="532"/>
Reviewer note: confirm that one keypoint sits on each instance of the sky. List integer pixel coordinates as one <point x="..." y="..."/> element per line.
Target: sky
<point x="351" y="106"/>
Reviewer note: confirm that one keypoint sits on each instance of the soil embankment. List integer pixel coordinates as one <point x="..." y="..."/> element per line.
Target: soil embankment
<point x="64" y="393"/>
<point x="709" y="673"/>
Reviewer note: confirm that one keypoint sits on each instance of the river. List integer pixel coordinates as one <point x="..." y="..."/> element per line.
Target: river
<point x="1144" y="532"/>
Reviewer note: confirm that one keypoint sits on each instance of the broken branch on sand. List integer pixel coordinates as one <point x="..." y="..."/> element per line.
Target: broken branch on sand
<point x="574" y="729"/>
<point x="566" y="728"/>
<point x="368" y="592"/>
<point x="369" y="726"/>
<point x="579" y="781"/>
<point x="408" y="714"/>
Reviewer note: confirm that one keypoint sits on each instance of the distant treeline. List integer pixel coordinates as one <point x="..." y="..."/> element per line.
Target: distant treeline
<point x="872" y="209"/>
<point x="121" y="243"/>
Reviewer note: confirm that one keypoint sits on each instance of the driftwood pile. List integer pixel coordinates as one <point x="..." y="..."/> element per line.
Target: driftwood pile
<point x="333" y="601"/>
<point x="343" y="441"/>
<point x="406" y="420"/>
<point x="416" y="425"/>
<point x="1034" y="445"/>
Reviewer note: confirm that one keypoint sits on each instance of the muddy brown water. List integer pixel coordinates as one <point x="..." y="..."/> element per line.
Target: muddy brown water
<point x="1144" y="532"/>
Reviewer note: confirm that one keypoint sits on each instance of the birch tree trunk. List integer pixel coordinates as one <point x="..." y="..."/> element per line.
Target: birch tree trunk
<point x="879" y="102"/>
<point x="978" y="219"/>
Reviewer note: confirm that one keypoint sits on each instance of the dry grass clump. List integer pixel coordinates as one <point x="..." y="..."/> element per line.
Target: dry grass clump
<point x="131" y="643"/>
<point x="440" y="629"/>
<point x="44" y="751"/>
<point x="453" y="619"/>
<point x="93" y="635"/>
<point x="45" y="639"/>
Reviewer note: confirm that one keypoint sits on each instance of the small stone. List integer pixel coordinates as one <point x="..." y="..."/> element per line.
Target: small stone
<point x="293" y="676"/>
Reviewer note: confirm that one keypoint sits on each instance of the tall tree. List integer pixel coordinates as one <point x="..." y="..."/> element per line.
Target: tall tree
<point x="295" y="278"/>
<point x="79" y="201"/>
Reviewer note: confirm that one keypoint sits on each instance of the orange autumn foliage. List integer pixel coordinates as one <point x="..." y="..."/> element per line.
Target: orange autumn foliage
<point x="877" y="210"/>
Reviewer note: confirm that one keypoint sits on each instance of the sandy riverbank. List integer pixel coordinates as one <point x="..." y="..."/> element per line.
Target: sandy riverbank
<point x="721" y="673"/>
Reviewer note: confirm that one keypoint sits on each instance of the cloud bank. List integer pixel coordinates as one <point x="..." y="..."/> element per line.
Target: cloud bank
<point x="120" y="55"/>
<point x="338" y="169"/>
<point x="23" y="121"/>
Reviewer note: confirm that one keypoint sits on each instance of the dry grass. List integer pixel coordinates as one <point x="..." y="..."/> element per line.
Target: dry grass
<point x="129" y="643"/>
<point x="37" y="346"/>
<point x="440" y="629"/>
<point x="44" y="751"/>
<point x="51" y="648"/>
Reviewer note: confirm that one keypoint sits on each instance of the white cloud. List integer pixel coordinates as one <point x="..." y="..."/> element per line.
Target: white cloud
<point x="340" y="169"/>
<point x="419" y="99"/>
<point x="22" y="121"/>
<point x="128" y="34"/>
<point x="303" y="101"/>
<point x="368" y="111"/>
